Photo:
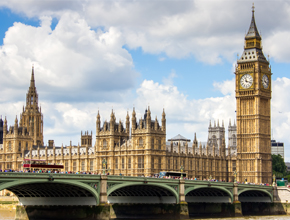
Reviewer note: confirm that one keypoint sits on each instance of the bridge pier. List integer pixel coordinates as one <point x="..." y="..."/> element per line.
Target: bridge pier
<point x="236" y="203"/>
<point x="184" y="214"/>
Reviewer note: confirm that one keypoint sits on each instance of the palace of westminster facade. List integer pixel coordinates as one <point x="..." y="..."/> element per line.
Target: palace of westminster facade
<point x="140" y="148"/>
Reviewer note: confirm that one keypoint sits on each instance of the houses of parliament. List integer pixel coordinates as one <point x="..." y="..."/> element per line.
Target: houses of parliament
<point x="139" y="147"/>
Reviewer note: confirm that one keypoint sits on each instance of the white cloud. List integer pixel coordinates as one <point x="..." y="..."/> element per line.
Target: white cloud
<point x="72" y="62"/>
<point x="210" y="31"/>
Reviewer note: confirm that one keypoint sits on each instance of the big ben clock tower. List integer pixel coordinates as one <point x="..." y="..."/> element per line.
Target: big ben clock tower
<point x="253" y="96"/>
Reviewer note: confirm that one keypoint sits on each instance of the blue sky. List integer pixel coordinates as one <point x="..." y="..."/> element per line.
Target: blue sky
<point x="177" y="55"/>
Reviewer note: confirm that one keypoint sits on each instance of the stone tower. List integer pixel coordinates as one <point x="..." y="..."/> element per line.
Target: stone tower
<point x="31" y="116"/>
<point x="216" y="133"/>
<point x="149" y="141"/>
<point x="232" y="136"/>
<point x="253" y="96"/>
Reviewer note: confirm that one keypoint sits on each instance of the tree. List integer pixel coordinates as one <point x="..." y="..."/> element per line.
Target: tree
<point x="278" y="165"/>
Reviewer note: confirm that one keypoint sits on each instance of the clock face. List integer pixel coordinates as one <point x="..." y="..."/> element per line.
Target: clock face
<point x="246" y="81"/>
<point x="265" y="81"/>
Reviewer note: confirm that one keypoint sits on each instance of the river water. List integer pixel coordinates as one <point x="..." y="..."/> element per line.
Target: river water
<point x="10" y="215"/>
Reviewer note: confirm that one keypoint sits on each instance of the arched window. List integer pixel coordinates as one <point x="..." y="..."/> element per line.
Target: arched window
<point x="152" y="143"/>
<point x="26" y="148"/>
<point x="19" y="146"/>
<point x="129" y="163"/>
<point x="159" y="144"/>
<point x="140" y="142"/>
<point x="116" y="163"/>
<point x="9" y="146"/>
<point x="234" y="139"/>
<point x="104" y="143"/>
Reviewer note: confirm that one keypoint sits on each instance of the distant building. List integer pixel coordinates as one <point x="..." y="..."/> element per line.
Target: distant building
<point x="277" y="148"/>
<point x="1" y="131"/>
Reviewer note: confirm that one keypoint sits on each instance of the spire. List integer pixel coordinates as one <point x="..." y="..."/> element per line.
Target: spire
<point x="230" y="123"/>
<point x="210" y="123"/>
<point x="253" y="31"/>
<point x="32" y="81"/>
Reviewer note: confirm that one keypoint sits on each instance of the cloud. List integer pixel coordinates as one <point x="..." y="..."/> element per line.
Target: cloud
<point x="72" y="62"/>
<point x="211" y="32"/>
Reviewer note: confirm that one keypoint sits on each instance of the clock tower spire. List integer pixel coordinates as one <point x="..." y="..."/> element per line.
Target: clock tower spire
<point x="253" y="96"/>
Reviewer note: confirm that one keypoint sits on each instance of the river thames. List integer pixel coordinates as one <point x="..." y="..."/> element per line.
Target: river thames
<point x="10" y="215"/>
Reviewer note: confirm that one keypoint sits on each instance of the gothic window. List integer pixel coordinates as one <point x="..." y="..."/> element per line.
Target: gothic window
<point x="141" y="162"/>
<point x="159" y="164"/>
<point x="234" y="165"/>
<point x="116" y="163"/>
<point x="168" y="164"/>
<point x="9" y="146"/>
<point x="26" y="148"/>
<point x="152" y="143"/>
<point x="175" y="164"/>
<point x="190" y="164"/>
<point x="83" y="165"/>
<point x="104" y="143"/>
<point x="123" y="163"/>
<point x="66" y="166"/>
<point x="152" y="162"/>
<point x="159" y="144"/>
<point x="74" y="166"/>
<point x="197" y="165"/>
<point x="141" y="142"/>
<point x="91" y="165"/>
<point x="234" y="140"/>
<point x="19" y="146"/>
<point x="129" y="163"/>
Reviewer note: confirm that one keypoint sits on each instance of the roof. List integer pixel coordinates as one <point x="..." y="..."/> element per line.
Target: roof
<point x="253" y="31"/>
<point x="179" y="138"/>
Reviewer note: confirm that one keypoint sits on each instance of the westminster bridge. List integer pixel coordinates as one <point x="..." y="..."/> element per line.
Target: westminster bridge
<point x="47" y="189"/>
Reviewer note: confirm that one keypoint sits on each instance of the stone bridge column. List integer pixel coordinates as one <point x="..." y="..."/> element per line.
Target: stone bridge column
<point x="184" y="214"/>
<point x="104" y="207"/>
<point x="275" y="194"/>
<point x="103" y="190"/>
<point x="237" y="204"/>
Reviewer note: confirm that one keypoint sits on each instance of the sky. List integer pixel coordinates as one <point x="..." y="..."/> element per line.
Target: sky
<point x="97" y="55"/>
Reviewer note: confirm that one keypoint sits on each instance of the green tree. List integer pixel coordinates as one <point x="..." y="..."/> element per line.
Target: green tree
<point x="278" y="165"/>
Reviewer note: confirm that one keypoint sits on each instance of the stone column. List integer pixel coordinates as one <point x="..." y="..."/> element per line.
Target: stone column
<point x="184" y="214"/>
<point x="103" y="190"/>
<point x="237" y="204"/>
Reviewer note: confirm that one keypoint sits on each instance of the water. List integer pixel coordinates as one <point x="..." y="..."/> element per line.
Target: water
<point x="10" y="215"/>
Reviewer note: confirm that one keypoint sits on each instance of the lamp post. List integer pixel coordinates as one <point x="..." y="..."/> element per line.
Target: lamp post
<point x="235" y="175"/>
<point x="104" y="165"/>
<point x="274" y="180"/>
<point x="181" y="170"/>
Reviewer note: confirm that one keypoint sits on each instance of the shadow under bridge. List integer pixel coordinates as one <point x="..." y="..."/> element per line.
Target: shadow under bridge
<point x="53" y="194"/>
<point x="208" y="195"/>
<point x="146" y="194"/>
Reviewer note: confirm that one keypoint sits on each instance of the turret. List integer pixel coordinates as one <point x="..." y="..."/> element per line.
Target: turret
<point x="112" y="122"/>
<point x="207" y="149"/>
<point x="148" y="118"/>
<point x="5" y="127"/>
<point x="213" y="150"/>
<point x="163" y="121"/>
<point x="120" y="126"/>
<point x="186" y="148"/>
<point x="127" y="123"/>
<point x="194" y="144"/>
<point x="133" y="119"/>
<point x="16" y="127"/>
<point x="200" y="149"/>
<point x="210" y="123"/>
<point x="156" y="124"/>
<point x="98" y="124"/>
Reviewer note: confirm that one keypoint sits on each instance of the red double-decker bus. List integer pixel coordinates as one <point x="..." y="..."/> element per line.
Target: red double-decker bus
<point x="31" y="164"/>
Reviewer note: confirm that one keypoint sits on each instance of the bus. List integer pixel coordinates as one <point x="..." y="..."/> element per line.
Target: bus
<point x="171" y="174"/>
<point x="30" y="164"/>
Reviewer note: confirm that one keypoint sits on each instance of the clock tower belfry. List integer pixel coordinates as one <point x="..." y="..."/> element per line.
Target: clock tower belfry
<point x="253" y="96"/>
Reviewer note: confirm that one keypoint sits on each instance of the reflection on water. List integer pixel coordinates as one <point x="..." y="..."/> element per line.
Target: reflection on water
<point x="10" y="215"/>
<point x="7" y="214"/>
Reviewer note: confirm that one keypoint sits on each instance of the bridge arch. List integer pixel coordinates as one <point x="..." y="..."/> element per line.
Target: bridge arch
<point x="142" y="193"/>
<point x="209" y="194"/>
<point x="57" y="192"/>
<point x="255" y="195"/>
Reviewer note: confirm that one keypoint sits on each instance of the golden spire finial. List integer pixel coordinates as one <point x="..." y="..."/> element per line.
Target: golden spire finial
<point x="253" y="8"/>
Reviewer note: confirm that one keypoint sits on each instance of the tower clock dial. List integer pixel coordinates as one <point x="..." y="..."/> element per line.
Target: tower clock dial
<point x="265" y="81"/>
<point x="246" y="81"/>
